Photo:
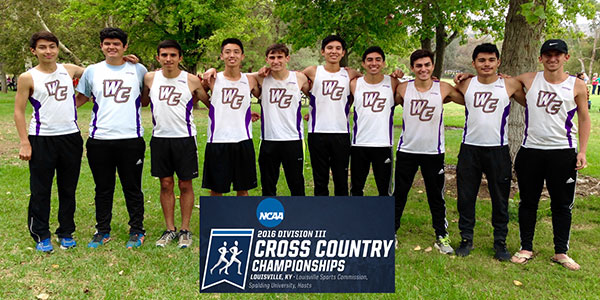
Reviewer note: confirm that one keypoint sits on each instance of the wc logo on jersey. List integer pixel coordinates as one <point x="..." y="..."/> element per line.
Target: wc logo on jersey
<point x="418" y="107"/>
<point x="114" y="88"/>
<point x="54" y="89"/>
<point x="230" y="96"/>
<point x="167" y="93"/>
<point x="280" y="97"/>
<point x="227" y="257"/>
<point x="547" y="100"/>
<point x="331" y="89"/>
<point x="372" y="100"/>
<point x="485" y="101"/>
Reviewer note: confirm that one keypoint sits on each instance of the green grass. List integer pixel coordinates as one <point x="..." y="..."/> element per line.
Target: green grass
<point x="115" y="272"/>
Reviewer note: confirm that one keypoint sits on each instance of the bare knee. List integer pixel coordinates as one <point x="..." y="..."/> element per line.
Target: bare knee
<point x="166" y="185"/>
<point x="185" y="186"/>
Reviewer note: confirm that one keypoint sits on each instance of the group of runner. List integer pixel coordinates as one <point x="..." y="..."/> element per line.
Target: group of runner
<point x="119" y="88"/>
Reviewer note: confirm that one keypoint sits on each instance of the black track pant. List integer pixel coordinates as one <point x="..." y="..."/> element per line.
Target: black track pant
<point x="361" y="159"/>
<point x="495" y="163"/>
<point x="272" y="155"/>
<point x="432" y="170"/>
<point x="329" y="150"/>
<point x="49" y="154"/>
<point x="557" y="168"/>
<point x="125" y="156"/>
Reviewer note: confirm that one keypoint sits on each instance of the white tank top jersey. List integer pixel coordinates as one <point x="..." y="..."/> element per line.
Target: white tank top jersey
<point x="281" y="102"/>
<point x="53" y="101"/>
<point x="422" y="121"/>
<point x="486" y="114"/>
<point x="373" y="113"/>
<point x="229" y="115"/>
<point x="549" y="114"/>
<point x="117" y="100"/>
<point x="172" y="105"/>
<point x="329" y="105"/>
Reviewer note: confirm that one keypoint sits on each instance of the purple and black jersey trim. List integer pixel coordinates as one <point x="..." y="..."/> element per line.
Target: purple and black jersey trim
<point x="37" y="105"/>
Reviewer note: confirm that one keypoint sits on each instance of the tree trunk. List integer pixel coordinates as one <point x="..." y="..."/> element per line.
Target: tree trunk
<point x="440" y="47"/>
<point x="62" y="46"/>
<point x="344" y="61"/>
<point x="426" y="44"/>
<point x="582" y="64"/>
<point x="593" y="56"/>
<point x="520" y="50"/>
<point x="3" y="78"/>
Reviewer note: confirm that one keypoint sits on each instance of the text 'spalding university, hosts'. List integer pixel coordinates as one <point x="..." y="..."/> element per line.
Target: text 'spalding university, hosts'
<point x="297" y="244"/>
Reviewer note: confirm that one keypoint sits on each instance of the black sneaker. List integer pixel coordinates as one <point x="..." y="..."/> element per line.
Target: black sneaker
<point x="465" y="247"/>
<point x="502" y="253"/>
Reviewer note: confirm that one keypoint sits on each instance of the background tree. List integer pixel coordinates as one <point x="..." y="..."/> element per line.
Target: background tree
<point x="437" y="23"/>
<point x="360" y="23"/>
<point x="199" y="26"/>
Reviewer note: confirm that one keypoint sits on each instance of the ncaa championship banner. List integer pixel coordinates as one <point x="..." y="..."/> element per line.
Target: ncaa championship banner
<point x="297" y="244"/>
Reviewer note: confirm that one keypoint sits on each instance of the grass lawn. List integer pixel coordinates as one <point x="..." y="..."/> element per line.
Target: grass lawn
<point x="171" y="273"/>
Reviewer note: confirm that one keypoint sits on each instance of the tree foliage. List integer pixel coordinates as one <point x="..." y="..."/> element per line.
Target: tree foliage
<point x="360" y="23"/>
<point x="199" y="26"/>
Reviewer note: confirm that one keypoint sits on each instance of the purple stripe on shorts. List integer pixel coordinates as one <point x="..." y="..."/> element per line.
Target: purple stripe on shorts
<point x="313" y="112"/>
<point x="347" y="111"/>
<point x="248" y="120"/>
<point x="466" y="121"/>
<point x="526" y="124"/>
<point x="299" y="119"/>
<point x="503" y="124"/>
<point x="138" y="123"/>
<point x="36" y="113"/>
<point x="569" y="125"/>
<point x="95" y="112"/>
<point x="188" y="115"/>
<point x="355" y="130"/>
<point x="211" y="117"/>
<point x="392" y="126"/>
<point x="440" y="129"/>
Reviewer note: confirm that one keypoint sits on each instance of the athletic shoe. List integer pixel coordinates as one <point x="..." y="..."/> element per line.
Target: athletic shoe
<point x="396" y="241"/>
<point x="465" y="248"/>
<point x="67" y="243"/>
<point x="135" y="240"/>
<point x="185" y="239"/>
<point x="501" y="252"/>
<point x="44" y="246"/>
<point x="166" y="237"/>
<point x="442" y="243"/>
<point x="99" y="239"/>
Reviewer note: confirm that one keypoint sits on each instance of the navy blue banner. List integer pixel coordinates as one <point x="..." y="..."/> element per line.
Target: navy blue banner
<point x="297" y="244"/>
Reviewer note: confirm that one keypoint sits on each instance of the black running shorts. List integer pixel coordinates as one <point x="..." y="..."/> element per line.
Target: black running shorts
<point x="174" y="155"/>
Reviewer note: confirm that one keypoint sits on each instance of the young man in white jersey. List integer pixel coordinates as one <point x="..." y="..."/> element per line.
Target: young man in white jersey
<point x="328" y="127"/>
<point x="53" y="142"/>
<point x="422" y="142"/>
<point x="172" y="94"/>
<point x="116" y="142"/>
<point x="372" y="136"/>
<point x="282" y="131"/>
<point x="229" y="155"/>
<point x="484" y="147"/>
<point x="549" y="150"/>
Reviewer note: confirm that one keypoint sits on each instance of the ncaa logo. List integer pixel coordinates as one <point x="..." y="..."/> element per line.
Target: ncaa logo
<point x="270" y="212"/>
